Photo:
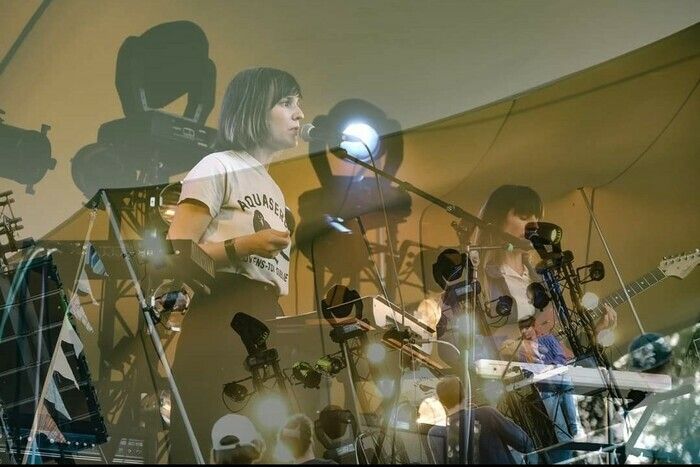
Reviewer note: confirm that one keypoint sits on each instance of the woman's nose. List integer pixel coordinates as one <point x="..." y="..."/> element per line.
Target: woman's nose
<point x="298" y="115"/>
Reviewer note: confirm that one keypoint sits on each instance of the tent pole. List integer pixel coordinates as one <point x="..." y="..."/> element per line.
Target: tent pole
<point x="612" y="261"/>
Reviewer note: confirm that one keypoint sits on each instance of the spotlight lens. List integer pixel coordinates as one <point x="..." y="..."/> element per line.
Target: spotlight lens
<point x="375" y="352"/>
<point x="271" y="411"/>
<point x="367" y="135"/>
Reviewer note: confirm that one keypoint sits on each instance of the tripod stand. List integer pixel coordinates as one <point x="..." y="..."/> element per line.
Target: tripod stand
<point x="146" y="313"/>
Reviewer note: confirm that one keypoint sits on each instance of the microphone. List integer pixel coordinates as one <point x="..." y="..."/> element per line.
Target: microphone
<point x="309" y="133"/>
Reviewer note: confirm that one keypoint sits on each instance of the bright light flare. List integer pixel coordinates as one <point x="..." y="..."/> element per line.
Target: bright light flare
<point x="271" y="411"/>
<point x="367" y="135"/>
<point x="376" y="353"/>
<point x="590" y="301"/>
<point x="606" y="337"/>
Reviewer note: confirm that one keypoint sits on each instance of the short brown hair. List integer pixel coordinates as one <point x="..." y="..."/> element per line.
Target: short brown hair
<point x="449" y="391"/>
<point x="249" y="97"/>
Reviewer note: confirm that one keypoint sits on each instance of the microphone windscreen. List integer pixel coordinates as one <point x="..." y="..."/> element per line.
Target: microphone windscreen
<point x="305" y="132"/>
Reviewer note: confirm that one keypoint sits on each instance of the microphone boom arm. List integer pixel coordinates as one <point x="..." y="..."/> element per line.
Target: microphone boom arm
<point x="452" y="209"/>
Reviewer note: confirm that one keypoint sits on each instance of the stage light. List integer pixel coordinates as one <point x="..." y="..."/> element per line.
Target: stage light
<point x="376" y="353"/>
<point x="271" y="411"/>
<point x="236" y="391"/>
<point x="448" y="267"/>
<point x="330" y="364"/>
<point x="165" y="406"/>
<point x="364" y="120"/>
<point x="148" y="146"/>
<point x="337" y="224"/>
<point x="544" y="233"/>
<point x="25" y="155"/>
<point x="649" y="351"/>
<point x="345" y="191"/>
<point x="590" y="301"/>
<point x="306" y="375"/>
<point x="339" y="304"/>
<point x="167" y="201"/>
<point x="504" y="305"/>
<point x="367" y="135"/>
<point x="253" y="332"/>
<point x="537" y="295"/>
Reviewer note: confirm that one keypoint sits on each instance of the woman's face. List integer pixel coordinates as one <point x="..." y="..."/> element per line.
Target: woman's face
<point x="284" y="122"/>
<point x="514" y="224"/>
<point x="528" y="333"/>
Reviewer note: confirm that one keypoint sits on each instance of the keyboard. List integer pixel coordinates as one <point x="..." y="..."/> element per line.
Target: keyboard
<point x="585" y="380"/>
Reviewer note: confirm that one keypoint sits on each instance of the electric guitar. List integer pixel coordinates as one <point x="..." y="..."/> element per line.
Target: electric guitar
<point x="673" y="266"/>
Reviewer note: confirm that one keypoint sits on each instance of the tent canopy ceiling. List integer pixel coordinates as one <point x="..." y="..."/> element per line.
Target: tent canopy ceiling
<point x="626" y="130"/>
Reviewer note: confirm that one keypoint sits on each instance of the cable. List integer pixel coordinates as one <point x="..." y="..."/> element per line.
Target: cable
<point x="247" y="400"/>
<point x="347" y="191"/>
<point x="317" y="304"/>
<point x="396" y="409"/>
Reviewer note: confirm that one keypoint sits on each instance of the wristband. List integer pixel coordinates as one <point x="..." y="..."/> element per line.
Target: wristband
<point x="230" y="247"/>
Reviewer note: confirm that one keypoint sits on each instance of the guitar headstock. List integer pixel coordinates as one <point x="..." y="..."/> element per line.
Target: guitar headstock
<point x="680" y="265"/>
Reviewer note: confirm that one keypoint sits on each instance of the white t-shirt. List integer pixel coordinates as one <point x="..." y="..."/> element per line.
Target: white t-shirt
<point x="516" y="286"/>
<point x="503" y="280"/>
<point x="242" y="199"/>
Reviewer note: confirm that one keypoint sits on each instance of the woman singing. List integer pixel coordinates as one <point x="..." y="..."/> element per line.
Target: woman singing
<point x="236" y="212"/>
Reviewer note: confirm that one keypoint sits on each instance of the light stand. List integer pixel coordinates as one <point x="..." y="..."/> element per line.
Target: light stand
<point x="145" y="309"/>
<point x="556" y="267"/>
<point x="257" y="365"/>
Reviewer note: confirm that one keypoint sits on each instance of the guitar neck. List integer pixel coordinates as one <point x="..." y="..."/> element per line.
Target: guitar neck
<point x="633" y="288"/>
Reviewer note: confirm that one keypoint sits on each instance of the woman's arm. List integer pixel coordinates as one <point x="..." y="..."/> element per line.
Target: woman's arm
<point x="192" y="218"/>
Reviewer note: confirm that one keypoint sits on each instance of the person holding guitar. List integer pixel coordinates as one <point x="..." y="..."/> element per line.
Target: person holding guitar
<point x="502" y="272"/>
<point x="509" y="272"/>
<point x="236" y="212"/>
